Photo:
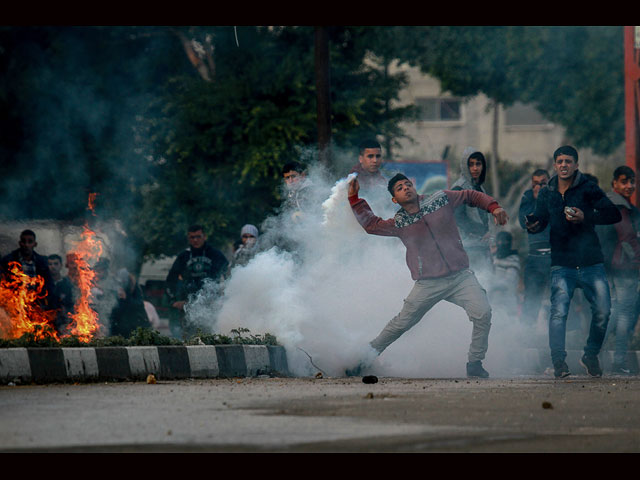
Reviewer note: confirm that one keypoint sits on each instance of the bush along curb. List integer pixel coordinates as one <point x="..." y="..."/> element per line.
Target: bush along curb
<point x="122" y="363"/>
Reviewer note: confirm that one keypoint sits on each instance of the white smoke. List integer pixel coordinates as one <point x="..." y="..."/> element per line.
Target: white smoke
<point x="330" y="296"/>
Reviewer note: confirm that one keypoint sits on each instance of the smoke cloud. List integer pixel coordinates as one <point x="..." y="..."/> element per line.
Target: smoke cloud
<point x="331" y="294"/>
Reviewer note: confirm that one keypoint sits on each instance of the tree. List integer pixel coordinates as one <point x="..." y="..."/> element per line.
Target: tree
<point x="172" y="126"/>
<point x="572" y="75"/>
<point x="218" y="146"/>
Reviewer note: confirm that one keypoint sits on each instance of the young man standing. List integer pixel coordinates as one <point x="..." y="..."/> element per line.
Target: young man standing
<point x="572" y="206"/>
<point x="621" y="250"/>
<point x="368" y="166"/>
<point x="435" y="257"/>
<point x="538" y="263"/>
<point x="188" y="273"/>
<point x="297" y="188"/>
<point x="474" y="222"/>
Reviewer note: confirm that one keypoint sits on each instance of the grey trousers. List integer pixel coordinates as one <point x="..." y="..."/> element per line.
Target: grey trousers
<point x="462" y="289"/>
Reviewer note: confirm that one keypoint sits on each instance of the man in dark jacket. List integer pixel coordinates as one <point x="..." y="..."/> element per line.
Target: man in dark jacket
<point x="189" y="271"/>
<point x="621" y="250"/>
<point x="538" y="262"/>
<point x="435" y="257"/>
<point x="572" y="206"/>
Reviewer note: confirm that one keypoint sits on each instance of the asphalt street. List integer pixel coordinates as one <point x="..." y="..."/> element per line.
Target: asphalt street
<point x="262" y="414"/>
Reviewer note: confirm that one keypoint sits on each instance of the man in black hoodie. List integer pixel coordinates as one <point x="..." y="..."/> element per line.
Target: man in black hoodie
<point x="188" y="273"/>
<point x="572" y="206"/>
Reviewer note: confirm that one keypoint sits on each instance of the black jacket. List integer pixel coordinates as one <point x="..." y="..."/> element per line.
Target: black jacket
<point x="191" y="268"/>
<point x="575" y="245"/>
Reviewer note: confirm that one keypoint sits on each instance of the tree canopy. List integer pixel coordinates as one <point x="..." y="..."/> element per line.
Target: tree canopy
<point x="181" y="125"/>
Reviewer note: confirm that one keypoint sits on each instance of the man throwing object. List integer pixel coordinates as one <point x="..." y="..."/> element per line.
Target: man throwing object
<point x="438" y="263"/>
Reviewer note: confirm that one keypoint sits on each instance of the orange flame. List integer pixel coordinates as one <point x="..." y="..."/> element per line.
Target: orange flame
<point x="84" y="322"/>
<point x="92" y="203"/>
<point x="20" y="311"/>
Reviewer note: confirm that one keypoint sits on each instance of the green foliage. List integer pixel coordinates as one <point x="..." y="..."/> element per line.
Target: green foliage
<point x="572" y="74"/>
<point x="218" y="146"/>
<point x="238" y="337"/>
<point x="122" y="111"/>
<point x="142" y="337"/>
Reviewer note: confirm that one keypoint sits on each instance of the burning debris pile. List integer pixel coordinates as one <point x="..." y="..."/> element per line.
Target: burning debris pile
<point x="23" y="310"/>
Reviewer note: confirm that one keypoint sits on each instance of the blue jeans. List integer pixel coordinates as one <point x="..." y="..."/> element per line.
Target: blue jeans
<point x="593" y="282"/>
<point x="625" y="285"/>
<point x="536" y="280"/>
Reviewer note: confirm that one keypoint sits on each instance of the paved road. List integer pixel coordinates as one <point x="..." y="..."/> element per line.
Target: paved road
<point x="524" y="414"/>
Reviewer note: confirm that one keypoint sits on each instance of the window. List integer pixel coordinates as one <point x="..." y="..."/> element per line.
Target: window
<point x="520" y="114"/>
<point x="439" y="109"/>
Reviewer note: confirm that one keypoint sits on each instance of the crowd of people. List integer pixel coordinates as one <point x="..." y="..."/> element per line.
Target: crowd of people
<point x="579" y="237"/>
<point x="459" y="248"/>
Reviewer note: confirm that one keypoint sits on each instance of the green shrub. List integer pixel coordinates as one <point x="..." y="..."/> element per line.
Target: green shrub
<point x="143" y="337"/>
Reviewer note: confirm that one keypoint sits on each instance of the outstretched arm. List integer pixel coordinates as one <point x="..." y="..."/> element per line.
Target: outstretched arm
<point x="480" y="200"/>
<point x="365" y="216"/>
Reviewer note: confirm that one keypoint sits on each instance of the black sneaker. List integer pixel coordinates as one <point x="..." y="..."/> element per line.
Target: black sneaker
<point x="561" y="370"/>
<point x="474" y="369"/>
<point x="592" y="365"/>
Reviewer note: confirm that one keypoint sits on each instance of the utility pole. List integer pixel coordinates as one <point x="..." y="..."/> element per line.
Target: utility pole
<point x="323" y="94"/>
<point x="632" y="99"/>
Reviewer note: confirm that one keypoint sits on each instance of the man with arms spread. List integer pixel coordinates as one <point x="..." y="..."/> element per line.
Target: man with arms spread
<point x="435" y="257"/>
<point x="572" y="206"/>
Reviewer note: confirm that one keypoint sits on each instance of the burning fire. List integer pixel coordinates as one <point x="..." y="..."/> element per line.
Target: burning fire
<point x="84" y="323"/>
<point x="20" y="311"/>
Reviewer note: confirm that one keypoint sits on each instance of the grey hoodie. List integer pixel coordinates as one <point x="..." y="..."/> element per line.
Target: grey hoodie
<point x="472" y="222"/>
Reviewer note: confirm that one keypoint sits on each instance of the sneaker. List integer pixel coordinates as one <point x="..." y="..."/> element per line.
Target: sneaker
<point x="561" y="370"/>
<point x="592" y="365"/>
<point x="620" y="369"/>
<point x="474" y="369"/>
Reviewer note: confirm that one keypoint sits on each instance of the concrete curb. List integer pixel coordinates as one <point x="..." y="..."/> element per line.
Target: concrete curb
<point x="49" y="365"/>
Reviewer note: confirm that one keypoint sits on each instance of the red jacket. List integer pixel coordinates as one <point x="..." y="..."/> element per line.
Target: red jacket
<point x="431" y="236"/>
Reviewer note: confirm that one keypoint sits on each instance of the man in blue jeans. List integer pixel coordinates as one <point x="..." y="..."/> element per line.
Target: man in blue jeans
<point x="572" y="206"/>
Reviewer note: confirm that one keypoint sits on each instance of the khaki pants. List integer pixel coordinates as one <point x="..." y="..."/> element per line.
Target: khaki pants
<point x="462" y="289"/>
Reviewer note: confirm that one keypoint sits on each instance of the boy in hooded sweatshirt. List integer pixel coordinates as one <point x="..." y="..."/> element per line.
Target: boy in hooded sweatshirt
<point x="474" y="222"/>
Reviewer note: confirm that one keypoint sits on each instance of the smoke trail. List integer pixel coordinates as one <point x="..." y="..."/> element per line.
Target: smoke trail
<point x="334" y="292"/>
